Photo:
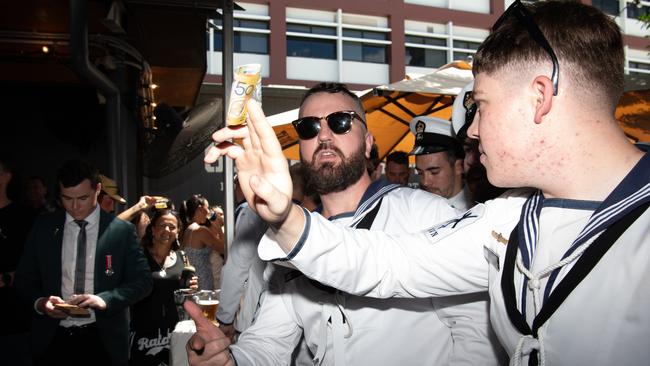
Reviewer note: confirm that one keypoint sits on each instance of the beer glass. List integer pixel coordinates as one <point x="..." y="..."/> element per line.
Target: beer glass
<point x="208" y="301"/>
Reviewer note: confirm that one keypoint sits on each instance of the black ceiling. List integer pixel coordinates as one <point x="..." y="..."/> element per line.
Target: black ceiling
<point x="170" y="35"/>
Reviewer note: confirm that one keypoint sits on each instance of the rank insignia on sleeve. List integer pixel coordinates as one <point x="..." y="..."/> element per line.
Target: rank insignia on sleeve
<point x="454" y="224"/>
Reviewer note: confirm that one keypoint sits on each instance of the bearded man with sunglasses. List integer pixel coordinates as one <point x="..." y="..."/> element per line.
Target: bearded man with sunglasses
<point x="339" y="328"/>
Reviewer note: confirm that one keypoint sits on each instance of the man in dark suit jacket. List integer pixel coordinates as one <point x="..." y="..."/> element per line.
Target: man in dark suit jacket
<point x="112" y="272"/>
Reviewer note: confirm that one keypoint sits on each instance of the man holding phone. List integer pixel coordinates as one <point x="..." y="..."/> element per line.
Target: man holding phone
<point x="80" y="271"/>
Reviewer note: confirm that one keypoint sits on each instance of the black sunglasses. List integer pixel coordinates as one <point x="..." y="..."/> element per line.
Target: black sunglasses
<point x="339" y="122"/>
<point x="522" y="14"/>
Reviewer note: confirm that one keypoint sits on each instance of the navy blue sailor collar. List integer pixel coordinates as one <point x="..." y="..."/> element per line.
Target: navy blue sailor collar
<point x="375" y="191"/>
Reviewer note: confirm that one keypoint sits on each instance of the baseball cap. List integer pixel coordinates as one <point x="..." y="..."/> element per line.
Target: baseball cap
<point x="110" y="188"/>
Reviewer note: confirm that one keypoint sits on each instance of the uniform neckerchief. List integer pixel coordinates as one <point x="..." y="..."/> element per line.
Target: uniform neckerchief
<point x="631" y="192"/>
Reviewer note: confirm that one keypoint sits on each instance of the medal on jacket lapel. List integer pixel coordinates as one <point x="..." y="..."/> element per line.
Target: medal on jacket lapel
<point x="109" y="265"/>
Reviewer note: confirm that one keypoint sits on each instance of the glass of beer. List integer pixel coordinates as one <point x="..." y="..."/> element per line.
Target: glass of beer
<point x="208" y="301"/>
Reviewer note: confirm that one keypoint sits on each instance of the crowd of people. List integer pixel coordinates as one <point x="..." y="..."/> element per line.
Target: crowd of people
<point x="334" y="263"/>
<point x="79" y="283"/>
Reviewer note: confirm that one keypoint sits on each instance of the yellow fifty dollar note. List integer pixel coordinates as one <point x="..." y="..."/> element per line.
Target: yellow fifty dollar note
<point x="247" y="80"/>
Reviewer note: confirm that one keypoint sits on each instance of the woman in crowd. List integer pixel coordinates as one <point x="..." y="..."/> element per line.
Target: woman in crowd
<point x="153" y="319"/>
<point x="216" y="224"/>
<point x="201" y="237"/>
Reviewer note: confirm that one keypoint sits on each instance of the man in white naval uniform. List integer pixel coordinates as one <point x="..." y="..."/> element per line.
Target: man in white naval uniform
<point x="439" y="160"/>
<point x="566" y="262"/>
<point x="342" y="329"/>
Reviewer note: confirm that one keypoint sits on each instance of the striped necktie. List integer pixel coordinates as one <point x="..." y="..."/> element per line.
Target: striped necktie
<point x="80" y="268"/>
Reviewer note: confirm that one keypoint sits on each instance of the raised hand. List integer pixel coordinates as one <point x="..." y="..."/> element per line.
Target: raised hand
<point x="262" y="169"/>
<point x="208" y="346"/>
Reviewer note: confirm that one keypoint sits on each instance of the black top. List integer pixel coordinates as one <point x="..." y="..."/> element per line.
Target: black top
<point x="153" y="318"/>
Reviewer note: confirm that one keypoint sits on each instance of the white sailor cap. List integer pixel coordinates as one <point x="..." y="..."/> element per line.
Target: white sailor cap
<point x="463" y="110"/>
<point x="433" y="135"/>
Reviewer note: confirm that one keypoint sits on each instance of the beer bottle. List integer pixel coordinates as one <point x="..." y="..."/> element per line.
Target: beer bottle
<point x="188" y="272"/>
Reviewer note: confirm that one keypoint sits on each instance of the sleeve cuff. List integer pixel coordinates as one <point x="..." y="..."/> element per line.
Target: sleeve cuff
<point x="269" y="249"/>
<point x="36" y="307"/>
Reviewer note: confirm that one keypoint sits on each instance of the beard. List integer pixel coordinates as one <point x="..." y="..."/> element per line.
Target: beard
<point x="332" y="177"/>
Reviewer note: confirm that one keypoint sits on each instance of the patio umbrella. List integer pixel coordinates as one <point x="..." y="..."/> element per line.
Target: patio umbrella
<point x="633" y="110"/>
<point x="390" y="108"/>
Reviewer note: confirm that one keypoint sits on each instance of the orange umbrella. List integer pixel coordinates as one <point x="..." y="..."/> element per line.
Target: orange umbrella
<point x="633" y="110"/>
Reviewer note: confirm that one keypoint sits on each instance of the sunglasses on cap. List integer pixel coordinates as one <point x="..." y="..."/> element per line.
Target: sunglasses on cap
<point x="339" y="122"/>
<point x="519" y="11"/>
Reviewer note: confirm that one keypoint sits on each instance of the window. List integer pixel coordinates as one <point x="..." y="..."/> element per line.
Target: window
<point x="607" y="6"/>
<point x="466" y="45"/>
<point x="426" y="40"/>
<point x="363" y="52"/>
<point x="313" y="41"/>
<point x="250" y="36"/>
<point x="432" y="45"/>
<point x="638" y="68"/>
<point x="317" y="35"/>
<point x="364" y="45"/>
<point x="634" y="11"/>
<point x="639" y="65"/>
<point x="354" y="33"/>
<point x="423" y="57"/>
<point x="314" y="29"/>
<point x="311" y="47"/>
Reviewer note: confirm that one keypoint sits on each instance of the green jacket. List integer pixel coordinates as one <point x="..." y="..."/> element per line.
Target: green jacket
<point x="39" y="275"/>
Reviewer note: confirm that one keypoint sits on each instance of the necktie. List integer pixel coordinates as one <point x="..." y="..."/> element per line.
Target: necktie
<point x="80" y="269"/>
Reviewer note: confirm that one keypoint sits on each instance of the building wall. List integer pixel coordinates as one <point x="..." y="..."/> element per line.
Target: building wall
<point x="368" y="43"/>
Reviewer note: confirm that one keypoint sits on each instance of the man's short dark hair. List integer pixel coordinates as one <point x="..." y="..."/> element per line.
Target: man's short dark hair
<point x="587" y="42"/>
<point x="73" y="172"/>
<point x="453" y="155"/>
<point x="334" y="88"/>
<point x="398" y="157"/>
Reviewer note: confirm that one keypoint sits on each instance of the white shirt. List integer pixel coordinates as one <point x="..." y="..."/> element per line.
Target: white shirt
<point x="461" y="201"/>
<point x="69" y="260"/>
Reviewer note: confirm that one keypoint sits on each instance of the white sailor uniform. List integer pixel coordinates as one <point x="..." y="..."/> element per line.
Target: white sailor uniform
<point x="580" y="280"/>
<point x="342" y="329"/>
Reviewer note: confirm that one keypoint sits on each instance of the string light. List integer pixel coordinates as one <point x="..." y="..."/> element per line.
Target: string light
<point x="45" y="49"/>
